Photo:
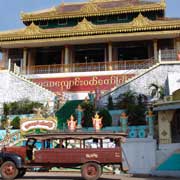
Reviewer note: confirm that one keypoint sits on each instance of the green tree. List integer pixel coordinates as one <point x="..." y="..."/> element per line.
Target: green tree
<point x="110" y="105"/>
<point x="106" y="117"/>
<point x="6" y="109"/>
<point x="126" y="99"/>
<point x="135" y="106"/>
<point x="3" y="121"/>
<point x="88" y="114"/>
<point x="20" y="107"/>
<point x="15" y="123"/>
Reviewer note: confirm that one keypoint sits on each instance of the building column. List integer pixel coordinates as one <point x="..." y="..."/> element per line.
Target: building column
<point x="31" y="60"/>
<point x="70" y="54"/>
<point x="155" y="50"/>
<point x="5" y="61"/>
<point x="178" y="48"/>
<point x="110" y="55"/>
<point x="66" y="58"/>
<point x="105" y="58"/>
<point x="24" y="61"/>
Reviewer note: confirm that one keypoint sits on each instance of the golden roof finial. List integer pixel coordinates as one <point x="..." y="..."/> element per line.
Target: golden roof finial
<point x="163" y="2"/>
<point x="90" y="7"/>
<point x="62" y="2"/>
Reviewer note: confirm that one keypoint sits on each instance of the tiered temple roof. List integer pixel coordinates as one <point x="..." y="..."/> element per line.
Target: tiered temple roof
<point x="94" y="8"/>
<point x="85" y="29"/>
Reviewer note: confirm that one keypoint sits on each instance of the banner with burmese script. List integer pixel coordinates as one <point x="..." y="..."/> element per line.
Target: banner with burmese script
<point x="85" y="83"/>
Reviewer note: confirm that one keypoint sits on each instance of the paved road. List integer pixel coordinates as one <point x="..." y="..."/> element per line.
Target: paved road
<point x="76" y="176"/>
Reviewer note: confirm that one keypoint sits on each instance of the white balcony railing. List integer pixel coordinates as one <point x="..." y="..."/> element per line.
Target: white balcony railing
<point x="95" y="66"/>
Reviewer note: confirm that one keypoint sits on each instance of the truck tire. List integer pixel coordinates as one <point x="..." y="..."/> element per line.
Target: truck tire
<point x="91" y="171"/>
<point x="8" y="170"/>
<point x="21" y="173"/>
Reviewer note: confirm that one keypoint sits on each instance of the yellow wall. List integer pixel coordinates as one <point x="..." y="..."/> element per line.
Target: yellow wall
<point x="164" y="121"/>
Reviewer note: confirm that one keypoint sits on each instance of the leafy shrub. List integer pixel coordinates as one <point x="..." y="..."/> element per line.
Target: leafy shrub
<point x="135" y="105"/>
<point x="16" y="123"/>
<point x="110" y="104"/>
<point x="21" y="107"/>
<point x="87" y="114"/>
<point x="107" y="119"/>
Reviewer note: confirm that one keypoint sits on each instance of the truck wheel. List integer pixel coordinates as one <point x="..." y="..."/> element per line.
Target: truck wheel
<point x="8" y="170"/>
<point x="21" y="173"/>
<point x="91" y="171"/>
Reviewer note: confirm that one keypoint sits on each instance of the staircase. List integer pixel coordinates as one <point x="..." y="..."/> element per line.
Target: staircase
<point x="140" y="83"/>
<point x="29" y="81"/>
<point x="15" y="87"/>
<point x="66" y="111"/>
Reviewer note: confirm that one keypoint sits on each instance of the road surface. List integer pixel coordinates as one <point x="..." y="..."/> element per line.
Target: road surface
<point x="76" y="176"/>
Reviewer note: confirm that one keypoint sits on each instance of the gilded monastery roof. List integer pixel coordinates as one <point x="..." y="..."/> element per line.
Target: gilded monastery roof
<point x="94" y="8"/>
<point x="85" y="28"/>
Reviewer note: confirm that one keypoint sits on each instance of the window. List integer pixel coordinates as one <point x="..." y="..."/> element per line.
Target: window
<point x="43" y="23"/>
<point x="62" y="21"/>
<point x="102" y="19"/>
<point x="122" y="17"/>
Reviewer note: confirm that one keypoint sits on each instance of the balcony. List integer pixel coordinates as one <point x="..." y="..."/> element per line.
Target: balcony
<point x="168" y="55"/>
<point x="89" y="67"/>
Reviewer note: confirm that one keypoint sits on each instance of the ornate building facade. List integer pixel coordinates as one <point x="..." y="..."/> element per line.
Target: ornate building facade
<point x="99" y="44"/>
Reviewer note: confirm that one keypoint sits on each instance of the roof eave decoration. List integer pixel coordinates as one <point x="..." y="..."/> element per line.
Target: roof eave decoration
<point x="85" y="28"/>
<point x="141" y="21"/>
<point x="91" y="9"/>
<point x="84" y="25"/>
<point x="32" y="29"/>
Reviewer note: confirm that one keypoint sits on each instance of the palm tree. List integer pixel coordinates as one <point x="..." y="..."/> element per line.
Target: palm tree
<point x="135" y="106"/>
<point x="157" y="91"/>
<point x="127" y="98"/>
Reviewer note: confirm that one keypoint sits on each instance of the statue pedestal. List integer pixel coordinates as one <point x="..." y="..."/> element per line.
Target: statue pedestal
<point x="124" y="122"/>
<point x="150" y="120"/>
<point x="79" y="127"/>
<point x="79" y="114"/>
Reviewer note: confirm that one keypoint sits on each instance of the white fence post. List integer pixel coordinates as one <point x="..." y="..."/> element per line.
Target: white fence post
<point x="159" y="56"/>
<point x="9" y="64"/>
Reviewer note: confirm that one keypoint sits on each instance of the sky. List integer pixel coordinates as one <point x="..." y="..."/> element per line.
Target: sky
<point x="10" y="10"/>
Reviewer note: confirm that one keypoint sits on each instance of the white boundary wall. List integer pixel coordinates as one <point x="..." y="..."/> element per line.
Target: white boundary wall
<point x="141" y="155"/>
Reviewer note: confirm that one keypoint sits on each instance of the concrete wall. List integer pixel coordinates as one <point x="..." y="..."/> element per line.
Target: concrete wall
<point x="141" y="155"/>
<point x="15" y="88"/>
<point x="167" y="160"/>
<point x="164" y="151"/>
<point x="173" y="81"/>
<point x="157" y="74"/>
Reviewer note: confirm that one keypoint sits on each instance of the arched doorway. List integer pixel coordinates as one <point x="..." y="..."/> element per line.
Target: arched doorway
<point x="175" y="127"/>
